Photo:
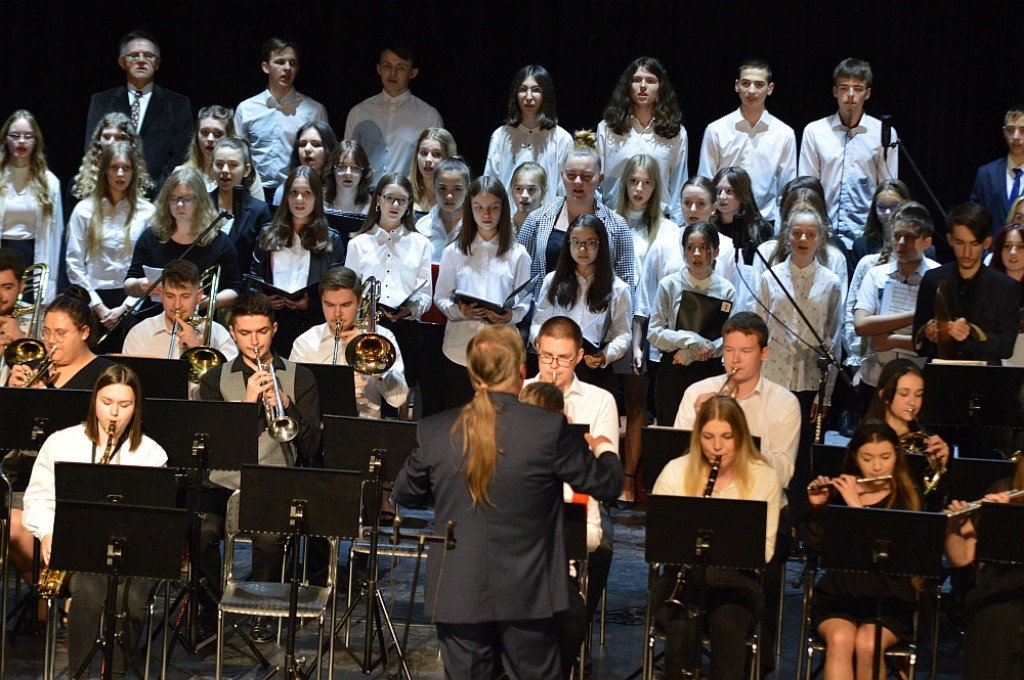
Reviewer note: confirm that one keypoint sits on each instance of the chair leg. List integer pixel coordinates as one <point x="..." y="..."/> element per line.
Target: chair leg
<point x="219" y="667"/>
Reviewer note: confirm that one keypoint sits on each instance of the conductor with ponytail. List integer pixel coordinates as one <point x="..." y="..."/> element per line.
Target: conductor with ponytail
<point x="495" y="468"/>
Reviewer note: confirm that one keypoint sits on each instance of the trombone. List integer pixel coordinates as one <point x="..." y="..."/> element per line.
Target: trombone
<point x="204" y="357"/>
<point x="281" y="427"/>
<point x="22" y="350"/>
<point x="370" y="353"/>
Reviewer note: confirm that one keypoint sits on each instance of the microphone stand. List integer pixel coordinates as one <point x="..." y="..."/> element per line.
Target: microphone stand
<point x="145" y="294"/>
<point x="899" y="144"/>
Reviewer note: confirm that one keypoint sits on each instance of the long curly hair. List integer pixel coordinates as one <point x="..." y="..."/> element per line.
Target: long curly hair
<point x="37" y="169"/>
<point x="85" y="181"/>
<point x="668" y="118"/>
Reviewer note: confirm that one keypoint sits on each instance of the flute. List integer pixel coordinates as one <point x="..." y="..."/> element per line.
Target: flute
<point x="974" y="505"/>
<point x="818" y="486"/>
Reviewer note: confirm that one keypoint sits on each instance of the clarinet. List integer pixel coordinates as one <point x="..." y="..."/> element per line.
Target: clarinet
<point x="676" y="598"/>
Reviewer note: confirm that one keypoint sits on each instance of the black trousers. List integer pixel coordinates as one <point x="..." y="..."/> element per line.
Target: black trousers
<point x="88" y="599"/>
<point x="528" y="649"/>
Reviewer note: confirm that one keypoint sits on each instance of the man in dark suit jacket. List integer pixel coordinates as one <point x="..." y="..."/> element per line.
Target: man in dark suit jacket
<point x="992" y="184"/>
<point x="165" y="117"/>
<point x="502" y="583"/>
<point x="979" y="296"/>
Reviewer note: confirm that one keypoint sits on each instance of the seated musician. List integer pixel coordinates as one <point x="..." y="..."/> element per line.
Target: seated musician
<point x="899" y="401"/>
<point x="340" y="295"/>
<point x="12" y="270"/>
<point x="734" y="601"/>
<point x="180" y="295"/>
<point x="115" y="406"/>
<point x="994" y="611"/>
<point x="844" y="603"/>
<point x="248" y="380"/>
<point x="983" y="304"/>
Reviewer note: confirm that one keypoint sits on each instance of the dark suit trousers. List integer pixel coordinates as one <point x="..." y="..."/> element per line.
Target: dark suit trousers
<point x="529" y="649"/>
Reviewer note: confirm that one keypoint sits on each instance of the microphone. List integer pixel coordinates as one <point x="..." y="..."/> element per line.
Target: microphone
<point x="886" y="135"/>
<point x="739" y="231"/>
<point x="237" y="200"/>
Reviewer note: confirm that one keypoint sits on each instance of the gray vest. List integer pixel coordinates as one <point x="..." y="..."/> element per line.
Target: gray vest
<point x="232" y="388"/>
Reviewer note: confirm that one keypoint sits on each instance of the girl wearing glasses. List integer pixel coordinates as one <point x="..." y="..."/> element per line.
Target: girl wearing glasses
<point x="389" y="248"/>
<point x="103" y="230"/>
<point x="31" y="217"/>
<point x="294" y="252"/>
<point x="484" y="263"/>
<point x="183" y="211"/>
<point x="584" y="288"/>
<point x="349" y="182"/>
<point x="531" y="132"/>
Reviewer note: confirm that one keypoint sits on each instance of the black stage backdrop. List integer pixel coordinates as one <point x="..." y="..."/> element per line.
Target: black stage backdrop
<point x="942" y="69"/>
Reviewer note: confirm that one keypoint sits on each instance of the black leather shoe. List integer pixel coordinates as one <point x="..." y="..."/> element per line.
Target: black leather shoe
<point x="261" y="630"/>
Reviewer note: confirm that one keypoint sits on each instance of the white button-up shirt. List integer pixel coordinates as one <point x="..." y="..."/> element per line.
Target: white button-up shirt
<point x="510" y="147"/>
<point x="107" y="269"/>
<point x="400" y="259"/>
<point x="399" y="121"/>
<point x="766" y="150"/>
<point x="430" y="225"/>
<point x="316" y="346"/>
<point x="591" y="405"/>
<point x="670" y="155"/>
<point x="271" y="125"/>
<point x="850" y="163"/>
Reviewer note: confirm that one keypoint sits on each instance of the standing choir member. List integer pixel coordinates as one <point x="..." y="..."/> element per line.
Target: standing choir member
<point x="232" y="165"/>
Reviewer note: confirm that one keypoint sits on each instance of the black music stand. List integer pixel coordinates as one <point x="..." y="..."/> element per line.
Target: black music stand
<point x="704" y="532"/>
<point x="302" y="503"/>
<point x="885" y="543"/>
<point x="659" y="445"/>
<point x="115" y="540"/>
<point x="337" y="389"/>
<point x="382" y="449"/>
<point x="163" y="378"/>
<point x="971" y="478"/>
<point x="962" y="399"/>
<point x="998" y="528"/>
<point x="200" y="436"/>
<point x="125" y="484"/>
<point x="30" y="416"/>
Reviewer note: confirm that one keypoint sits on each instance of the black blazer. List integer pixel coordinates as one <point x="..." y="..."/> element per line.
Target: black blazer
<point x="995" y="311"/>
<point x="255" y="214"/>
<point x="166" y="128"/>
<point x="989" y="191"/>
<point x="509" y="561"/>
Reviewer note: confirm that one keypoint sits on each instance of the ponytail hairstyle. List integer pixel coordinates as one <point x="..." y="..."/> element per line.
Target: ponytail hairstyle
<point x="117" y="374"/>
<point x="564" y="286"/>
<point x="101" y="190"/>
<point x="494" y="356"/>
<point x="904" y="495"/>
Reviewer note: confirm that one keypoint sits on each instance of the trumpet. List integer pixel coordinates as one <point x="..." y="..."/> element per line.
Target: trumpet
<point x="53" y="582"/>
<point x="729" y="388"/>
<point x="280" y="427"/>
<point x="818" y="486"/>
<point x="975" y="505"/>
<point x="44" y="369"/>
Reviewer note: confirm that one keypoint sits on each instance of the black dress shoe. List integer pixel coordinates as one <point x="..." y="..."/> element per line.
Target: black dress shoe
<point x="261" y="630"/>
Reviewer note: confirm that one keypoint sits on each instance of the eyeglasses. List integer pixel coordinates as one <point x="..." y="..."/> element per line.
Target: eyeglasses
<point x="135" y="56"/>
<point x="886" y="208"/>
<point x="1010" y="130"/>
<point x="348" y="169"/>
<point x="187" y="200"/>
<point x="400" y="201"/>
<point x="560" y="362"/>
<point x="580" y="244"/>
<point x="536" y="90"/>
<point x="57" y="334"/>
<point x="14" y="137"/>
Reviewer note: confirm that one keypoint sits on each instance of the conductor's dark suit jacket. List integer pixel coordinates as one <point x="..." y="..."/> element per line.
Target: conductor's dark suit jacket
<point x="509" y="561"/>
<point x="166" y="127"/>
<point x="995" y="311"/>
<point x="989" y="191"/>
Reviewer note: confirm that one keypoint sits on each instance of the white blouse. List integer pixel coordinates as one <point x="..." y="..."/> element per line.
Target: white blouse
<point x="400" y="259"/>
<point x="485" y="274"/>
<point x="670" y="155"/>
<point x="108" y="270"/>
<point x="512" y="146"/>
<point x="608" y="330"/>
